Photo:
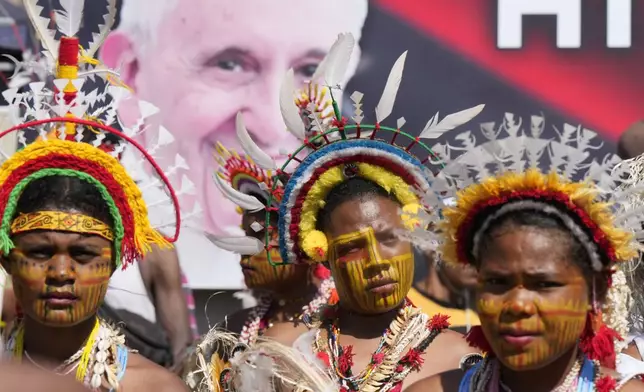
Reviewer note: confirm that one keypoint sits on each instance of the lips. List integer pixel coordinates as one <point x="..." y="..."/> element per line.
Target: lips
<point x="518" y="338"/>
<point x="383" y="286"/>
<point x="59" y="298"/>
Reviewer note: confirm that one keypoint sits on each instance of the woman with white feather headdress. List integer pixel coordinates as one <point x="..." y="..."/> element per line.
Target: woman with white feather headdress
<point x="72" y="214"/>
<point x="549" y="226"/>
<point x="343" y="190"/>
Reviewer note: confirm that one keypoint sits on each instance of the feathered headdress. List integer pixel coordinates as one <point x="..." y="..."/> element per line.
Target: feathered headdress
<point x="73" y="124"/>
<point x="338" y="151"/>
<point x="501" y="173"/>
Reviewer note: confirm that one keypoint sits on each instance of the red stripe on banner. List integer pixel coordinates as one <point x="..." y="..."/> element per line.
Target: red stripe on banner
<point x="601" y="87"/>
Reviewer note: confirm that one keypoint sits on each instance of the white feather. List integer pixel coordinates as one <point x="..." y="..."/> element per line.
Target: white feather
<point x="247" y="202"/>
<point x="434" y="130"/>
<point x="68" y="20"/>
<point x="290" y="111"/>
<point x="247" y="246"/>
<point x="251" y="149"/>
<point x="336" y="62"/>
<point x="388" y="98"/>
<point x="40" y="24"/>
<point x="104" y="29"/>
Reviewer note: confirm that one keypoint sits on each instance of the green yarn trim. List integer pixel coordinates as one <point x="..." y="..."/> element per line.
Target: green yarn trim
<point x="5" y="229"/>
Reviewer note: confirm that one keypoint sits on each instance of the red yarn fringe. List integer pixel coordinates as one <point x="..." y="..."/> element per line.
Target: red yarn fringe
<point x="476" y="338"/>
<point x="606" y="384"/>
<point x="598" y="341"/>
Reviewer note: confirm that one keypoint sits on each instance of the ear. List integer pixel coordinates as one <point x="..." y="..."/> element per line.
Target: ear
<point x="118" y="53"/>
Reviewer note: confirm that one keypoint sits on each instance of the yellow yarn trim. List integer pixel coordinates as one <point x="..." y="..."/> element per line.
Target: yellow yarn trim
<point x="582" y="194"/>
<point x="310" y="238"/>
<point x="81" y="371"/>
<point x="144" y="234"/>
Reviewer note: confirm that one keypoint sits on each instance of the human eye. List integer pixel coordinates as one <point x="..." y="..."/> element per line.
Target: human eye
<point x="306" y="71"/>
<point x="41" y="253"/>
<point x="232" y="65"/>
<point x="83" y="254"/>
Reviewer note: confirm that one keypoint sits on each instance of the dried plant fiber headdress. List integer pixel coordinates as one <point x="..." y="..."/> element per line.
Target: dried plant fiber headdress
<point x="74" y="123"/>
<point x="335" y="151"/>
<point x="221" y="364"/>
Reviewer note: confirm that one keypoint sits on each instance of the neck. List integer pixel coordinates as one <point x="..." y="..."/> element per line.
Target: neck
<point x="55" y="343"/>
<point x="545" y="378"/>
<point x="438" y="289"/>
<point x="289" y="302"/>
<point x="365" y="326"/>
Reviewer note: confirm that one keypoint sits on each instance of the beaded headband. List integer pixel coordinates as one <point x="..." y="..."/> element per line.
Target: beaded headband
<point x="334" y="151"/>
<point x="73" y="122"/>
<point x="61" y="221"/>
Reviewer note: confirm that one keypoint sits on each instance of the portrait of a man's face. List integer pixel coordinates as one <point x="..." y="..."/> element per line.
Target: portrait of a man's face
<point x="202" y="61"/>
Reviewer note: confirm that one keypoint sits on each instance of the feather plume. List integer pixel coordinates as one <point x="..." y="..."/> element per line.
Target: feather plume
<point x="388" y="97"/>
<point x="290" y="111"/>
<point x="335" y="64"/>
<point x="434" y="129"/>
<point x="104" y="29"/>
<point x="251" y="149"/>
<point x="40" y="24"/>
<point x="247" y="246"/>
<point x="247" y="202"/>
<point x="68" y="20"/>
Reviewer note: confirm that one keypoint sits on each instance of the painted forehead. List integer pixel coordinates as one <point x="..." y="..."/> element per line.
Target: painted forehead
<point x="376" y="212"/>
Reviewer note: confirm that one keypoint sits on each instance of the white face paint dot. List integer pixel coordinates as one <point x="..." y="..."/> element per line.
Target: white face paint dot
<point x="256" y="226"/>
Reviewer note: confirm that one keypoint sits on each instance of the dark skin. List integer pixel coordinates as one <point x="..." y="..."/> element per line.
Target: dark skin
<point x="161" y="275"/>
<point x="448" y="283"/>
<point x="46" y="261"/>
<point x="290" y="284"/>
<point x="29" y="379"/>
<point x="363" y="331"/>
<point x="525" y="265"/>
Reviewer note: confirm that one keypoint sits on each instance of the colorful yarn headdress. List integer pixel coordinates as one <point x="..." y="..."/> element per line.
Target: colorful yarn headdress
<point x="333" y="151"/>
<point x="68" y="129"/>
<point x="500" y="173"/>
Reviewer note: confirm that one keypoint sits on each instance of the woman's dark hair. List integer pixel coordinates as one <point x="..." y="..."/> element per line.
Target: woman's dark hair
<point x="351" y="189"/>
<point x="63" y="193"/>
<point x="541" y="220"/>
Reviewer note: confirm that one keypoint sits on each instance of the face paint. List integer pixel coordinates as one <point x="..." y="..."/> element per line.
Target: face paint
<point x="58" y="289"/>
<point x="366" y="282"/>
<point x="527" y="335"/>
<point x="260" y="274"/>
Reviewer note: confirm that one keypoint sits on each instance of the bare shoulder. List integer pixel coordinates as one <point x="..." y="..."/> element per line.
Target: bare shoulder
<point x="145" y="375"/>
<point x="633" y="386"/>
<point x="443" y="354"/>
<point x="452" y="346"/>
<point x="444" y="382"/>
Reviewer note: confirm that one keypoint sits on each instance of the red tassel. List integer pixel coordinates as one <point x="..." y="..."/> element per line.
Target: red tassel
<point x="598" y="341"/>
<point x="321" y="272"/>
<point x="606" y="384"/>
<point x="438" y="321"/>
<point x="476" y="338"/>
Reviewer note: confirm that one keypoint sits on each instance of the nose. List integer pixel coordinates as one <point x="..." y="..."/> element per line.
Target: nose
<point x="61" y="270"/>
<point x="263" y="115"/>
<point x="519" y="303"/>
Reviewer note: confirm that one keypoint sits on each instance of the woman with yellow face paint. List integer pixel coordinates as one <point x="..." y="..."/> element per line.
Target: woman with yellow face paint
<point x="71" y="214"/>
<point x="284" y="292"/>
<point x="343" y="193"/>
<point x="547" y="247"/>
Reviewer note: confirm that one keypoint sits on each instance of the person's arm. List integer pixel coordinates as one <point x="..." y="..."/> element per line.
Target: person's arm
<point x="169" y="300"/>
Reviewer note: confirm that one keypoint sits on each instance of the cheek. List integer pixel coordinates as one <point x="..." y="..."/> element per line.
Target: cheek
<point x="95" y="275"/>
<point x="29" y="274"/>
